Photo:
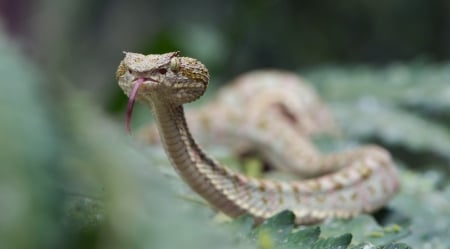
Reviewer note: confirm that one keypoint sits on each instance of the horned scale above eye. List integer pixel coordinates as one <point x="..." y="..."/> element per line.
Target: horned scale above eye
<point x="345" y="192"/>
<point x="175" y="64"/>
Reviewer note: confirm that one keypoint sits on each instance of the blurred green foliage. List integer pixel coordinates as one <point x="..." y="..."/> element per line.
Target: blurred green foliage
<point x="27" y="150"/>
<point x="404" y="107"/>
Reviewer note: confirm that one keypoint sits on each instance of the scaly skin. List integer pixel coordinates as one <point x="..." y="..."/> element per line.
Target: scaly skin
<point x="364" y="183"/>
<point x="270" y="113"/>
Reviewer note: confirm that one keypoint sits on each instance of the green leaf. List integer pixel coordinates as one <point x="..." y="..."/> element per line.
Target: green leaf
<point x="397" y="246"/>
<point x="277" y="227"/>
<point x="304" y="237"/>
<point x="393" y="126"/>
<point x="340" y="242"/>
<point x="365" y="229"/>
<point x="428" y="209"/>
<point x="277" y="232"/>
<point x="418" y="86"/>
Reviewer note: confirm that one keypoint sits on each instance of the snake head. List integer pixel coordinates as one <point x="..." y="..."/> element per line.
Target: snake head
<point x="168" y="76"/>
<point x="161" y="78"/>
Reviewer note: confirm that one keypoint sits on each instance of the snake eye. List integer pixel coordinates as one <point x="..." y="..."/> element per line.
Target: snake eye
<point x="162" y="71"/>
<point x="174" y="64"/>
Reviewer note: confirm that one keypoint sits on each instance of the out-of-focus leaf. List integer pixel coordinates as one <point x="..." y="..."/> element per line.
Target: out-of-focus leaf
<point x="415" y="85"/>
<point x="390" y="246"/>
<point x="304" y="237"/>
<point x="365" y="229"/>
<point x="278" y="227"/>
<point x="428" y="209"/>
<point x="28" y="149"/>
<point x="394" y="127"/>
<point x="340" y="242"/>
<point x="279" y="232"/>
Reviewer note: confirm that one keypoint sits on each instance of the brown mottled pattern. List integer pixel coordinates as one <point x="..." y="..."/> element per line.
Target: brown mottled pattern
<point x="189" y="70"/>
<point x="363" y="180"/>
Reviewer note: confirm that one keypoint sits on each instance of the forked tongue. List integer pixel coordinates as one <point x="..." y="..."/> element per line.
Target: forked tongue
<point x="130" y="106"/>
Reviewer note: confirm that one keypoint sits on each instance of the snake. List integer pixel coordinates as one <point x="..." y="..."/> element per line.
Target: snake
<point x="268" y="114"/>
<point x="361" y="180"/>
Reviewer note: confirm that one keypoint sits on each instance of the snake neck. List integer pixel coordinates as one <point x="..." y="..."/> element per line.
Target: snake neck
<point x="202" y="173"/>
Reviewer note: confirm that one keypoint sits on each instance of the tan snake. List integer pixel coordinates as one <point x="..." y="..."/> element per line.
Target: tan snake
<point x="270" y="114"/>
<point x="365" y="181"/>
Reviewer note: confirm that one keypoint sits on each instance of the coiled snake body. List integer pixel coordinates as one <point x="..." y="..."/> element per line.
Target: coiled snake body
<point x="345" y="184"/>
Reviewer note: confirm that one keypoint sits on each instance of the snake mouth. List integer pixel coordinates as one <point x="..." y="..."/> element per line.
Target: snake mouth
<point x="137" y="83"/>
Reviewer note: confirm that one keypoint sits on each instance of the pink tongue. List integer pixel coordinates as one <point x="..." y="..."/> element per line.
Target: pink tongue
<point x="130" y="106"/>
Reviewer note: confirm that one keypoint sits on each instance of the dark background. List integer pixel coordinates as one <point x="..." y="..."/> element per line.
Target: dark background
<point x="83" y="39"/>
